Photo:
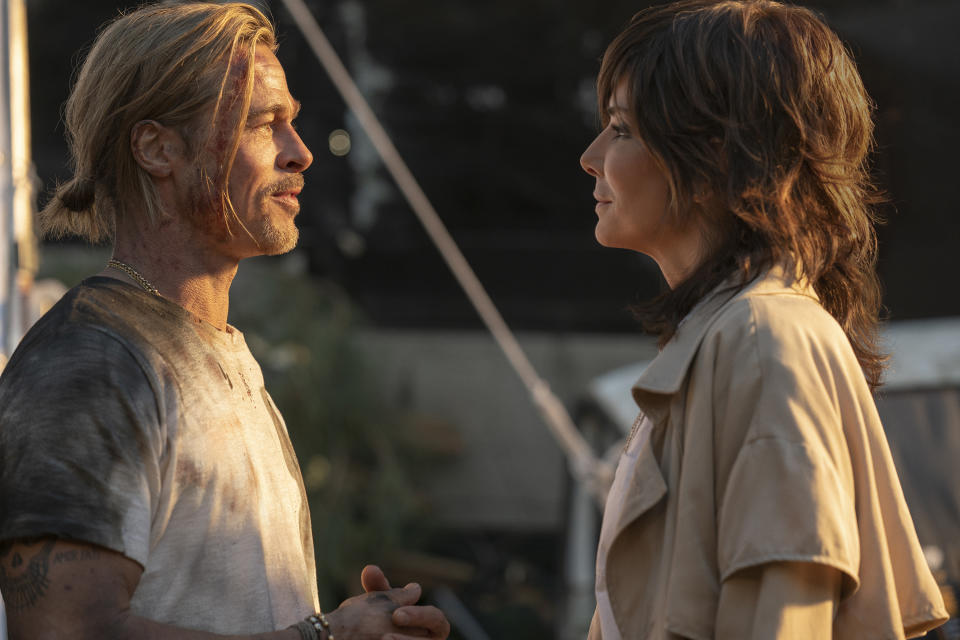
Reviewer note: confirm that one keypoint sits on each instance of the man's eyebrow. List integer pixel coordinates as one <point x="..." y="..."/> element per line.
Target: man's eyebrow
<point x="615" y="109"/>
<point x="276" y="107"/>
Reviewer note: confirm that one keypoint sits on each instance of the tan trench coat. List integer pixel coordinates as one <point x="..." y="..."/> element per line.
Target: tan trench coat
<point x="766" y="447"/>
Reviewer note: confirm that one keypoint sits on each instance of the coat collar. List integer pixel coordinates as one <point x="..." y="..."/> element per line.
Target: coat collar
<point x="666" y="373"/>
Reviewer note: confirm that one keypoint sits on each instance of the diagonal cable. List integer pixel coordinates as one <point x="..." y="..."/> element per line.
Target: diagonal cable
<point x="585" y="466"/>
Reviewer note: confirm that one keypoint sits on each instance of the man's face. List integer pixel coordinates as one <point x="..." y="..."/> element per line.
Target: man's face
<point x="266" y="176"/>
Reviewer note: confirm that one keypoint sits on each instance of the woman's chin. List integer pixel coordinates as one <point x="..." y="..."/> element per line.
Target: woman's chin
<point x="603" y="237"/>
<point x="609" y="240"/>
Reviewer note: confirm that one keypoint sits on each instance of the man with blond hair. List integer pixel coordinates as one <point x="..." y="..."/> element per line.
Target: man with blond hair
<point x="148" y="488"/>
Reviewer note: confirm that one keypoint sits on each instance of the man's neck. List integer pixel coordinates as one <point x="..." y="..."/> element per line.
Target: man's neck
<point x="174" y="259"/>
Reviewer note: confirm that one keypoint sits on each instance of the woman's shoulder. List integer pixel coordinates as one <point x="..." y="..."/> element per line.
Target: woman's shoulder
<point x="767" y="337"/>
<point x="771" y="325"/>
<point x="775" y="314"/>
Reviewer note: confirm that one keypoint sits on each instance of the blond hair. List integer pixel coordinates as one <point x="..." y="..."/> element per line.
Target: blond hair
<point x="169" y="63"/>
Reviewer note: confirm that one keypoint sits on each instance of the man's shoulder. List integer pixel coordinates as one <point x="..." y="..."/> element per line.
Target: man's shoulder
<point x="81" y="418"/>
<point x="91" y="314"/>
<point x="116" y="308"/>
<point x="69" y="340"/>
<point x="98" y="327"/>
<point x="103" y="310"/>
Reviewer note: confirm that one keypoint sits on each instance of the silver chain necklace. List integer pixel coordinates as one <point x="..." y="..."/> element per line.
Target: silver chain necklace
<point x="133" y="273"/>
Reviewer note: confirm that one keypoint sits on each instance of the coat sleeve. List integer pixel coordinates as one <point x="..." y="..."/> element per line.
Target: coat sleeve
<point x="783" y="600"/>
<point x="784" y="482"/>
<point x="804" y="473"/>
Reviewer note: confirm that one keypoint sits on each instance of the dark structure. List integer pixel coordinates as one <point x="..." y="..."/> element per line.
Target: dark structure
<point x="491" y="104"/>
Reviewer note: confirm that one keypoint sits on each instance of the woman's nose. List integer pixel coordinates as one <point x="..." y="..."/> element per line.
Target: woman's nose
<point x="592" y="158"/>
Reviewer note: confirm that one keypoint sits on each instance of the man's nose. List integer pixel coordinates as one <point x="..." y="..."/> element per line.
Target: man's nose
<point x="295" y="157"/>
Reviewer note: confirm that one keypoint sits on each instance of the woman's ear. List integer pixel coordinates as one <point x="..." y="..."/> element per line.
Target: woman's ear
<point x="701" y="192"/>
<point x="156" y="148"/>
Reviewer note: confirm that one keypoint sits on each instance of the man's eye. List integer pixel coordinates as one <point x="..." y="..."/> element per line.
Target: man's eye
<point x="620" y="131"/>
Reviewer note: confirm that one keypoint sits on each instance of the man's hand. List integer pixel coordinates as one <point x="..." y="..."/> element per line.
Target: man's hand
<point x="58" y="589"/>
<point x="372" y="579"/>
<point x="358" y="613"/>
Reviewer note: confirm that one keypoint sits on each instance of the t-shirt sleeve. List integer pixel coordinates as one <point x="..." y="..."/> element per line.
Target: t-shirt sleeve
<point x="785" y="486"/>
<point x="80" y="442"/>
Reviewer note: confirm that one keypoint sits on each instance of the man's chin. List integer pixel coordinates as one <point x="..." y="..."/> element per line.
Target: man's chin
<point x="275" y="244"/>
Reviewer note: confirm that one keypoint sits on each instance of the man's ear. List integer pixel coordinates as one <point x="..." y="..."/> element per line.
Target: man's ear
<point x="156" y="148"/>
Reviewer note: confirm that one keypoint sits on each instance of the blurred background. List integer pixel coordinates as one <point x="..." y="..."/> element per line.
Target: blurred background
<point x="420" y="448"/>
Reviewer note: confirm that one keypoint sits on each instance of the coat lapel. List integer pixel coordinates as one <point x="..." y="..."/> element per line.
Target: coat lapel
<point x="645" y="489"/>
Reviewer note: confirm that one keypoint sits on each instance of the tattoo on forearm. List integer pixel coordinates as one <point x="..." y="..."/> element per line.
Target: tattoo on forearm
<point x="24" y="575"/>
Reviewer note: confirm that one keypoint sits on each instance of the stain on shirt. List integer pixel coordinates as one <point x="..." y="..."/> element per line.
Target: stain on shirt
<point x="121" y="425"/>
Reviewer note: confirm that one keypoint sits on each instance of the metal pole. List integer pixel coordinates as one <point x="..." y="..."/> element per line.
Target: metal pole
<point x="18" y="247"/>
<point x="7" y="242"/>
<point x="7" y="245"/>
<point x="23" y="175"/>
<point x="584" y="464"/>
<point x="18" y="250"/>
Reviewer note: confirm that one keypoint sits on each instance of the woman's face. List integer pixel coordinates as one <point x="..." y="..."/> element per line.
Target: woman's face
<point x="632" y="195"/>
<point x="631" y="189"/>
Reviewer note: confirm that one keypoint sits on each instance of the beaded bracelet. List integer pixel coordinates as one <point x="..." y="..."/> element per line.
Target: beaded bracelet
<point x="320" y="623"/>
<point x="306" y="630"/>
<point x="315" y="627"/>
<point x="326" y="625"/>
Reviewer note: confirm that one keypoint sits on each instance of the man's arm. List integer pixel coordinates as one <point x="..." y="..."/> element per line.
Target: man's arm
<point x="57" y="589"/>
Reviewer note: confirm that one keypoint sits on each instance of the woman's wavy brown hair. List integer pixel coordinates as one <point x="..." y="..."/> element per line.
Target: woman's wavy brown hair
<point x="177" y="63"/>
<point x="758" y="116"/>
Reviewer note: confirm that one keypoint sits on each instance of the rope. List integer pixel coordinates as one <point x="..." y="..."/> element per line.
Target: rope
<point x="585" y="466"/>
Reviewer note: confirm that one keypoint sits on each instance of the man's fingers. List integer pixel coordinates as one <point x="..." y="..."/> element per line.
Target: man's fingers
<point x="373" y="579"/>
<point x="423" y="617"/>
<point x="406" y="596"/>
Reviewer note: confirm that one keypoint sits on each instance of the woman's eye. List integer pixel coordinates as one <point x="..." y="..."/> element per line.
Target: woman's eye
<point x="620" y="131"/>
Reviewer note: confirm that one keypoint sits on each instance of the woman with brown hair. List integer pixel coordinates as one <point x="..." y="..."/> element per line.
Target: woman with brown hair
<point x="756" y="496"/>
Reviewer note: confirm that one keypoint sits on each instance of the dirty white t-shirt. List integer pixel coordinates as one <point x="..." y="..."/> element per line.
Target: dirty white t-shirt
<point x="127" y="422"/>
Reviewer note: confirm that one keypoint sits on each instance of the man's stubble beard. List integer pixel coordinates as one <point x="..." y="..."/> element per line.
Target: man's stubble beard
<point x="272" y="238"/>
<point x="276" y="234"/>
<point x="273" y="234"/>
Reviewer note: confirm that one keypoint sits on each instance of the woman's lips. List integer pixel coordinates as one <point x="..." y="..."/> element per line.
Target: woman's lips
<point x="601" y="202"/>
